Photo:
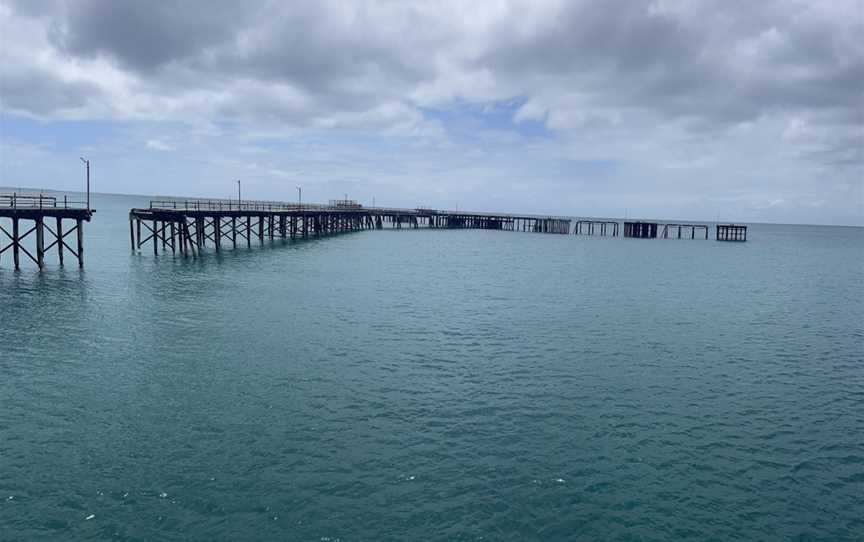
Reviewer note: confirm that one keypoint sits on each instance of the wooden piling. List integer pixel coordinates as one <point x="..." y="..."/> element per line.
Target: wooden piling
<point x="59" y="234"/>
<point x="80" y="232"/>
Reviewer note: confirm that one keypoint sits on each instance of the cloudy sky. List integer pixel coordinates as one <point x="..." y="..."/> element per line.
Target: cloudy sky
<point x="689" y="109"/>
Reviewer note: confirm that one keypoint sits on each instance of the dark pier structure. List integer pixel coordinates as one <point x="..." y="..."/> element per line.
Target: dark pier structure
<point x="188" y="226"/>
<point x="730" y="232"/>
<point x="589" y="227"/>
<point x="692" y="227"/>
<point x="40" y="223"/>
<point x="640" y="230"/>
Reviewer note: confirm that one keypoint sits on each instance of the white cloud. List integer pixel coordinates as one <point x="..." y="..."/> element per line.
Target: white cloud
<point x="158" y="145"/>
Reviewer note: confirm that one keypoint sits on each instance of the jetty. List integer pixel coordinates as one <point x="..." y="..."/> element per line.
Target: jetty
<point x="38" y="221"/>
<point x="731" y="232"/>
<point x="188" y="226"/>
<point x="589" y="227"/>
<point x="667" y="228"/>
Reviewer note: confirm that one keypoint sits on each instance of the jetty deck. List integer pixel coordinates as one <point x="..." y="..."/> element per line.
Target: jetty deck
<point x="187" y="226"/>
<point x="26" y="221"/>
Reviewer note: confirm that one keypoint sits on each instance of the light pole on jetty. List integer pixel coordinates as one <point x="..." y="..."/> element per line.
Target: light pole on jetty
<point x="87" y="163"/>
<point x="299" y="197"/>
<point x="239" y="199"/>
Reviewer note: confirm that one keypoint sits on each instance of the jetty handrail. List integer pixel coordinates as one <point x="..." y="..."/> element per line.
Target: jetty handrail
<point x="38" y="201"/>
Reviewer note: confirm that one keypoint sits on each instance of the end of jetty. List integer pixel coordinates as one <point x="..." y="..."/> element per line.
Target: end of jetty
<point x="41" y="219"/>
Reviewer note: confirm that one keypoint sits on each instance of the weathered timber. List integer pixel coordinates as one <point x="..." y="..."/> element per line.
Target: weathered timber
<point x="640" y="230"/>
<point x="667" y="228"/>
<point x="27" y="216"/>
<point x="596" y="227"/>
<point x="731" y="232"/>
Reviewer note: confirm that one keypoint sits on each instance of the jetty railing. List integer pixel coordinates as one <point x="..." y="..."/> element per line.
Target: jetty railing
<point x="38" y="201"/>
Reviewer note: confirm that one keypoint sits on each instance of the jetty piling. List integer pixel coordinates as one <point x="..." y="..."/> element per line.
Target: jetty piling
<point x="640" y="230"/>
<point x="588" y="227"/>
<point x="693" y="227"/>
<point x="731" y="232"/>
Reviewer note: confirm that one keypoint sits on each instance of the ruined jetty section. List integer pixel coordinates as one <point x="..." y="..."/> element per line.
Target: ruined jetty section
<point x="596" y="227"/>
<point x="640" y="230"/>
<point x="36" y="225"/>
<point x="731" y="232"/>
<point x="188" y="226"/>
<point x="670" y="228"/>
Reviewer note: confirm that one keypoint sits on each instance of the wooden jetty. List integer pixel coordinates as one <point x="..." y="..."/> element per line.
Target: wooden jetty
<point x="32" y="216"/>
<point x="589" y="227"/>
<point x="187" y="226"/>
<point x="640" y="230"/>
<point x="731" y="232"/>
<point x="692" y="227"/>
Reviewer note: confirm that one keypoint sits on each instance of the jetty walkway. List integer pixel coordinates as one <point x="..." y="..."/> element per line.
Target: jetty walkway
<point x="187" y="226"/>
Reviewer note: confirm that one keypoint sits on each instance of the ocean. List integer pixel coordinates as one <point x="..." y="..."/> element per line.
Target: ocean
<point x="437" y="385"/>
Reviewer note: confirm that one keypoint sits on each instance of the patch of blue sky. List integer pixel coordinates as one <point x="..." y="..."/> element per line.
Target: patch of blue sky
<point x="58" y="134"/>
<point x="465" y="117"/>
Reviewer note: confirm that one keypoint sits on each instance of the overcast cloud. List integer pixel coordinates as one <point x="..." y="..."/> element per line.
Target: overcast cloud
<point x="673" y="109"/>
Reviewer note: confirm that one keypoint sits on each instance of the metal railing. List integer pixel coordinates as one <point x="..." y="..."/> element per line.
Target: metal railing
<point x="209" y="204"/>
<point x="39" y="201"/>
<point x="202" y="204"/>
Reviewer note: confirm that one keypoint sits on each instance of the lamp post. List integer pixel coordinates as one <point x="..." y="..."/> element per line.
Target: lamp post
<point x="87" y="163"/>
<point x="239" y="199"/>
<point x="299" y="196"/>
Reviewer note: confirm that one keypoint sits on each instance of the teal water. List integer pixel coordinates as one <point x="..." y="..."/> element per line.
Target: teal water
<point x="437" y="385"/>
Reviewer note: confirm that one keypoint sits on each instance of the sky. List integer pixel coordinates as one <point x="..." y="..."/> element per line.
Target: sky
<point x="678" y="109"/>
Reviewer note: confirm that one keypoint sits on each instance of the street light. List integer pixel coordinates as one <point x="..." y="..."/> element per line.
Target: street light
<point x="239" y="200"/>
<point x="299" y="197"/>
<point x="87" y="163"/>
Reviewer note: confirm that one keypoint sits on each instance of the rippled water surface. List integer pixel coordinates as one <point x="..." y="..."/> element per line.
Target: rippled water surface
<point x="437" y="385"/>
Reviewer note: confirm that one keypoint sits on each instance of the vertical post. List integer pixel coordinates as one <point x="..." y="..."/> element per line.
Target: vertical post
<point x="155" y="237"/>
<point x="87" y="164"/>
<point x="131" y="234"/>
<point x="248" y="231"/>
<point x="173" y="238"/>
<point x="40" y="242"/>
<point x="138" y="223"/>
<point x="16" y="256"/>
<point x="234" y="222"/>
<point x="60" y="239"/>
<point x="80" y="228"/>
<point x="217" y="232"/>
<point x="261" y="228"/>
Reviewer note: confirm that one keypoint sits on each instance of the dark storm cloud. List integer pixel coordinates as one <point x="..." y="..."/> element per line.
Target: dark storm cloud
<point x="40" y="90"/>
<point x="143" y="35"/>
